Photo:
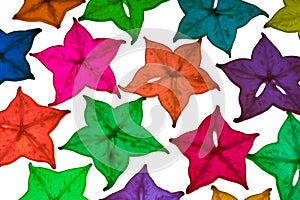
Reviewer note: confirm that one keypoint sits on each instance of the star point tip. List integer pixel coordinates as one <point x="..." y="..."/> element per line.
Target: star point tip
<point x="19" y="89"/>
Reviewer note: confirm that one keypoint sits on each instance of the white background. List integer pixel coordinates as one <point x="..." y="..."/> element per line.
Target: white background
<point x="172" y="176"/>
